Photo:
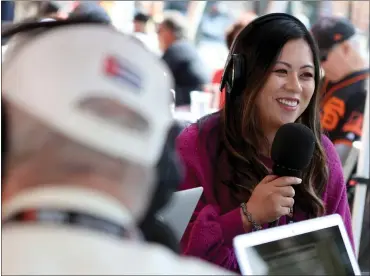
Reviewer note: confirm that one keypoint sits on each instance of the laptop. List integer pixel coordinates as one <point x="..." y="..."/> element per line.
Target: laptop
<point x="317" y="246"/>
<point x="179" y="210"/>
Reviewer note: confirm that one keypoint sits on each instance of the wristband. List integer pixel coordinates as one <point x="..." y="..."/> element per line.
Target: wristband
<point x="255" y="226"/>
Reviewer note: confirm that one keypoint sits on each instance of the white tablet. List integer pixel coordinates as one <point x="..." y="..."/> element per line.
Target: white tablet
<point x="317" y="246"/>
<point x="179" y="210"/>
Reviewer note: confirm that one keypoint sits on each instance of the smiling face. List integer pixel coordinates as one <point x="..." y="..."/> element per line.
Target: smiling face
<point x="289" y="88"/>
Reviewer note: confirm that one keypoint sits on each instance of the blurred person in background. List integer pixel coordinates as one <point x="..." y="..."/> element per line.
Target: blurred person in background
<point x="81" y="165"/>
<point x="144" y="32"/>
<point x="231" y="33"/>
<point x="228" y="153"/>
<point x="140" y="22"/>
<point x="343" y="90"/>
<point x="49" y="9"/>
<point x="181" y="57"/>
<point x="90" y="10"/>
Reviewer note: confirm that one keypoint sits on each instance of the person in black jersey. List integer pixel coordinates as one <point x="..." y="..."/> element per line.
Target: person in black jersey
<point x="344" y="95"/>
<point x="343" y="88"/>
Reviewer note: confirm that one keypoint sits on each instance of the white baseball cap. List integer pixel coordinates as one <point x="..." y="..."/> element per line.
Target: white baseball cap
<point x="95" y="86"/>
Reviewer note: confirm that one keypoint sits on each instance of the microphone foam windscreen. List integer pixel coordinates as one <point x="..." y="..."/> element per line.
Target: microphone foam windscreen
<point x="292" y="149"/>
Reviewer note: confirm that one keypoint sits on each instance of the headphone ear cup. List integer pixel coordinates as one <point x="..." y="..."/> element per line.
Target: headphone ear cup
<point x="238" y="83"/>
<point x="226" y="80"/>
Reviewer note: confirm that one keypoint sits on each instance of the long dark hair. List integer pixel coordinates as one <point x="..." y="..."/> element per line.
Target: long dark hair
<point x="240" y="134"/>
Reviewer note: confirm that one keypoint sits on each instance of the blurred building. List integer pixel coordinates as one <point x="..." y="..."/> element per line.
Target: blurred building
<point x="356" y="11"/>
<point x="219" y="11"/>
<point x="210" y="19"/>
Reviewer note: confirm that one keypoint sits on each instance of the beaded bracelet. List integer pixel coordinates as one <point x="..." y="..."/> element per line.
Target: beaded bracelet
<point x="255" y="226"/>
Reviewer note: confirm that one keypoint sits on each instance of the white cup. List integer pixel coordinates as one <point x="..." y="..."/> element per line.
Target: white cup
<point x="200" y="103"/>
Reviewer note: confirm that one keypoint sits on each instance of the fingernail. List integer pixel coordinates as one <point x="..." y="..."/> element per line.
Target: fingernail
<point x="299" y="180"/>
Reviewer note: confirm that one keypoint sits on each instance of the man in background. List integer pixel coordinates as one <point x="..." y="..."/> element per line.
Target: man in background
<point x="91" y="10"/>
<point x="85" y="138"/>
<point x="140" y="22"/>
<point x="49" y="9"/>
<point x="181" y="57"/>
<point x="144" y="31"/>
<point x="344" y="94"/>
<point x="343" y="91"/>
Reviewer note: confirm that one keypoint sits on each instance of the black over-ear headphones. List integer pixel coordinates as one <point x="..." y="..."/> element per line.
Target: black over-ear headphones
<point x="235" y="70"/>
<point x="23" y="27"/>
<point x="168" y="168"/>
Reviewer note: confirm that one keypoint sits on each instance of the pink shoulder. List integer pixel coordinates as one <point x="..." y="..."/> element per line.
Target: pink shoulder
<point x="187" y="138"/>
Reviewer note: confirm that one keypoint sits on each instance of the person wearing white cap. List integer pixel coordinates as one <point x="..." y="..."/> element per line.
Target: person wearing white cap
<point x="88" y="120"/>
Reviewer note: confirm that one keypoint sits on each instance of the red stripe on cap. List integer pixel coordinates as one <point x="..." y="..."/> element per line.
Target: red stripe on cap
<point x="29" y="215"/>
<point x="111" y="66"/>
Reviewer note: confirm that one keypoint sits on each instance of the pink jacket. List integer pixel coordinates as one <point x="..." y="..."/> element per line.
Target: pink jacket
<point x="216" y="220"/>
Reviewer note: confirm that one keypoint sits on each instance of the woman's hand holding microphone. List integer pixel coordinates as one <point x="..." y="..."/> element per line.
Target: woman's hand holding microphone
<point x="271" y="199"/>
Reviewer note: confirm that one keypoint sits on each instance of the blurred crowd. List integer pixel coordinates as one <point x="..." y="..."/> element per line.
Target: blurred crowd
<point x="183" y="80"/>
<point x="164" y="28"/>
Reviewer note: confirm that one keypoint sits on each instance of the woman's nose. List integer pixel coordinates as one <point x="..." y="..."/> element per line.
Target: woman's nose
<point x="293" y="84"/>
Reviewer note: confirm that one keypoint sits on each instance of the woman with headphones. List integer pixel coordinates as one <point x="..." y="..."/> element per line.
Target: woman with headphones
<point x="271" y="78"/>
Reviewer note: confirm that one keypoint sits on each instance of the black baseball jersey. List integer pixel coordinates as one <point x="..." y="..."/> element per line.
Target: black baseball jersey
<point x="342" y="107"/>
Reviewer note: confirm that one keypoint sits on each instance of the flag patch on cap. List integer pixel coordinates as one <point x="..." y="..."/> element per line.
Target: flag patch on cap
<point x="122" y="72"/>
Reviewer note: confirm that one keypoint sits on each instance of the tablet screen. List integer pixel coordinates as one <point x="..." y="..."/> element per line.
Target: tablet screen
<point x="315" y="253"/>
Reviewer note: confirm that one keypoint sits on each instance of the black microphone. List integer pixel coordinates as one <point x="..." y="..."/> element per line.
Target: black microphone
<point x="292" y="151"/>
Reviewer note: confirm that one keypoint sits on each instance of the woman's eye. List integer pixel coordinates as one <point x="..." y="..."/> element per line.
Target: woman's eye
<point x="307" y="75"/>
<point x="281" y="71"/>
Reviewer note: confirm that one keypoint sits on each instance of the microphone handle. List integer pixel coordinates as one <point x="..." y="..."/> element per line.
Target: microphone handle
<point x="275" y="223"/>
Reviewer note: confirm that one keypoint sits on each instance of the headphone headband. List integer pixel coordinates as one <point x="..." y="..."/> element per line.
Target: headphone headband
<point x="259" y="21"/>
<point x="232" y="57"/>
<point x="30" y="26"/>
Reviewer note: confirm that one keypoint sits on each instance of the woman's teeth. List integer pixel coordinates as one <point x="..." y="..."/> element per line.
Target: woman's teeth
<point x="288" y="102"/>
